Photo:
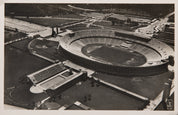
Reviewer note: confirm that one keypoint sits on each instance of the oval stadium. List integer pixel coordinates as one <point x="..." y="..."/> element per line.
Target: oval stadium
<point x="116" y="52"/>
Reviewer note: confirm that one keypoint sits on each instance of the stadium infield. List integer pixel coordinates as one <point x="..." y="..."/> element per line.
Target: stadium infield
<point x="115" y="55"/>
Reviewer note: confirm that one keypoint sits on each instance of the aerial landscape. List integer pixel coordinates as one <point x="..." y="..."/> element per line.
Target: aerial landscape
<point x="89" y="56"/>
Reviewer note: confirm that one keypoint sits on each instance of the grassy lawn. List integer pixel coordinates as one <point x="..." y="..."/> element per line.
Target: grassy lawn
<point x="108" y="24"/>
<point x="81" y="27"/>
<point x="11" y="35"/>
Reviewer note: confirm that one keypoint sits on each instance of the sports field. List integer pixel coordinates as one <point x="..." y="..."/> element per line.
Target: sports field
<point x="116" y="55"/>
